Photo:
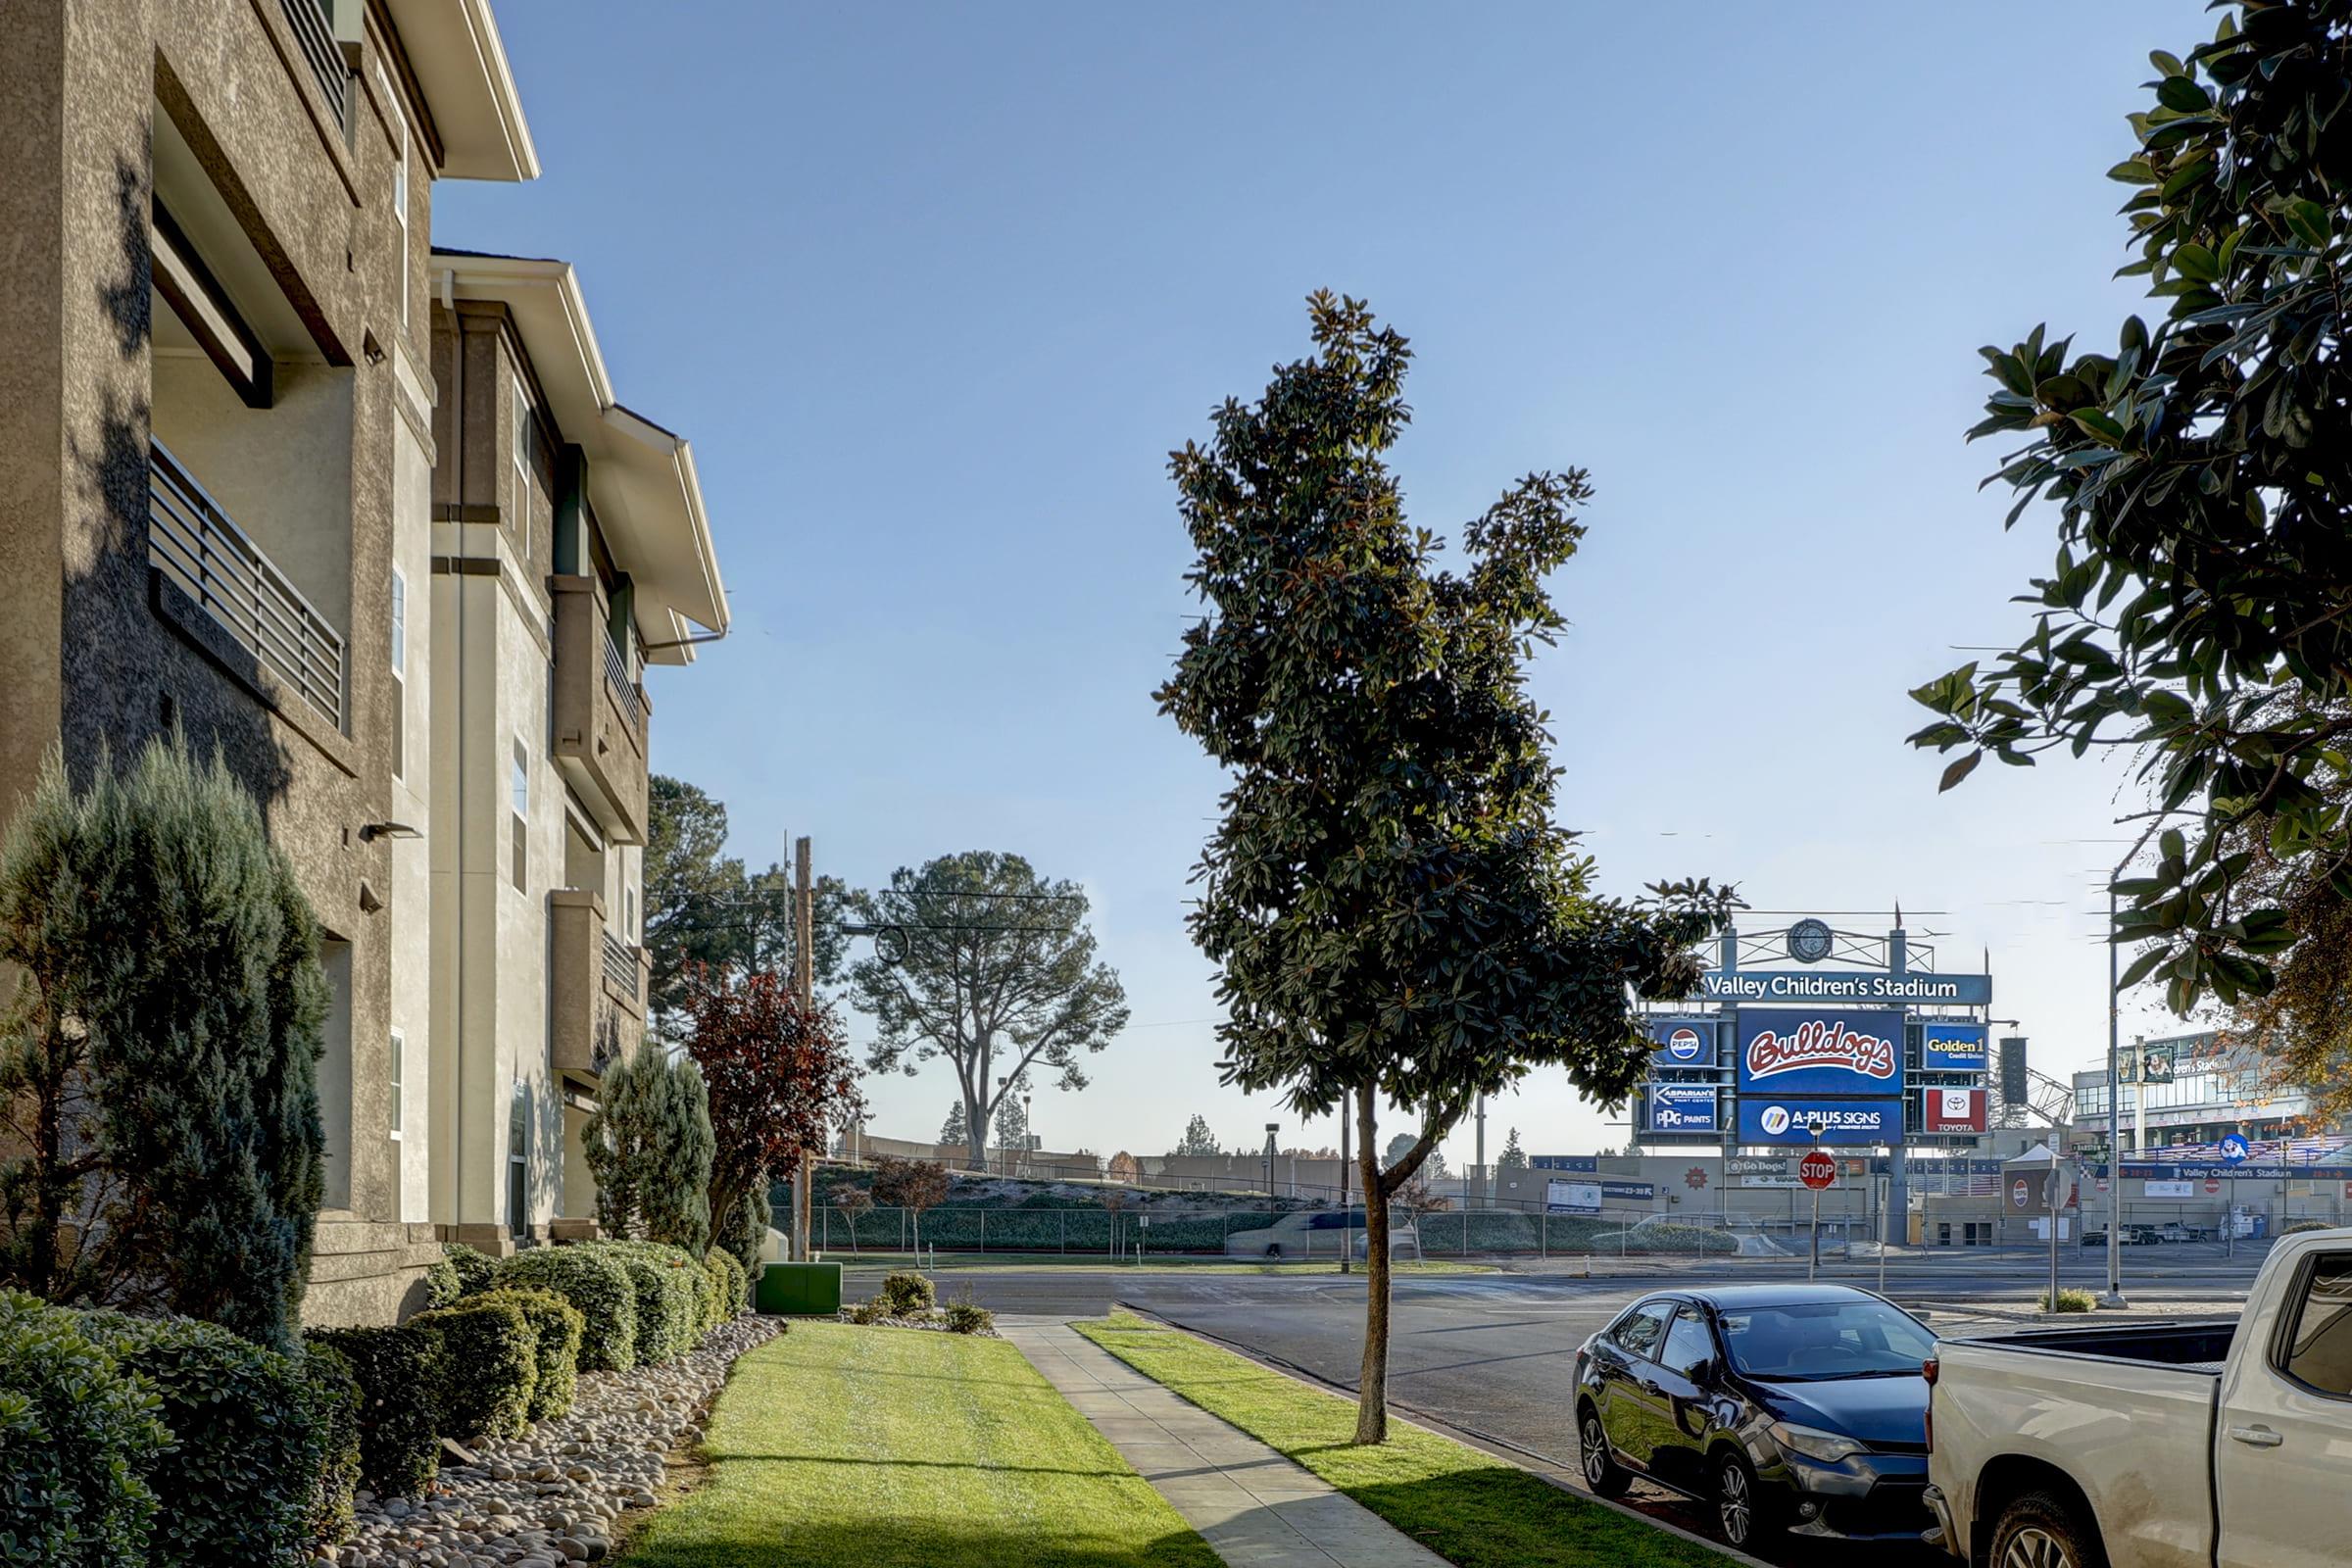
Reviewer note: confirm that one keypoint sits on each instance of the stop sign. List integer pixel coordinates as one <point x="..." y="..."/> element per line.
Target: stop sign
<point x="1817" y="1170"/>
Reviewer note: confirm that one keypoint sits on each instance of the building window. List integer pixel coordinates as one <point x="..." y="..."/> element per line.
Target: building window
<point x="522" y="468"/>
<point x="518" y="1154"/>
<point x="521" y="799"/>
<point x="399" y="1045"/>
<point x="400" y="201"/>
<point x="400" y="675"/>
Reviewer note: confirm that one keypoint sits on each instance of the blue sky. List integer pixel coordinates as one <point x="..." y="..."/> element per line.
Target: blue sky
<point x="934" y="289"/>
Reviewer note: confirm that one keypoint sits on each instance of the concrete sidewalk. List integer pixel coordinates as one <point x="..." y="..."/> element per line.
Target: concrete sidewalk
<point x="1256" y="1508"/>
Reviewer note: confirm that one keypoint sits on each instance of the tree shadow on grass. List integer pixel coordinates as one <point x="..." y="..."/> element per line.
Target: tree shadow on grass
<point x="889" y="1543"/>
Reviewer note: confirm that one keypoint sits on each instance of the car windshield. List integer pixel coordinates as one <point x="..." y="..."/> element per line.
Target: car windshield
<point x="1813" y="1340"/>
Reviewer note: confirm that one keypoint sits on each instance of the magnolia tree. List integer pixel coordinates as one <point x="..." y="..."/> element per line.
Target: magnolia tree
<point x="1392" y="911"/>
<point x="780" y="1077"/>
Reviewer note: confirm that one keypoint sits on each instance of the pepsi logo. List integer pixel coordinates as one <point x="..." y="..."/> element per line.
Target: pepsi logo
<point x="1682" y="1045"/>
<point x="1775" y="1120"/>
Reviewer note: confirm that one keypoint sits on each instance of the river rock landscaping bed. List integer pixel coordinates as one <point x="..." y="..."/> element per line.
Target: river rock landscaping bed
<point x="555" y="1495"/>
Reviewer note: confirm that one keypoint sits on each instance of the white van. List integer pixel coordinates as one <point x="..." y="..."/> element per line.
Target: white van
<point x="1311" y="1234"/>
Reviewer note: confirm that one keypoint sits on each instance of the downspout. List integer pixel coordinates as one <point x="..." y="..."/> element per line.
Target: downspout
<point x="457" y="377"/>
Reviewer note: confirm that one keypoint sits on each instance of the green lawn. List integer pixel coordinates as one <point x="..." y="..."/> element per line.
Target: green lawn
<point x="1467" y="1507"/>
<point x="837" y="1446"/>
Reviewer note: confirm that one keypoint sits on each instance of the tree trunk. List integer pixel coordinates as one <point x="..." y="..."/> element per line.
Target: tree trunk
<point x="1372" y="1387"/>
<point x="976" y="1117"/>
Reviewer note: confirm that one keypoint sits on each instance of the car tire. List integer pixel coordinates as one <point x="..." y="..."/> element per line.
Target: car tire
<point x="2043" y="1530"/>
<point x="1604" y="1476"/>
<point x="1742" y="1517"/>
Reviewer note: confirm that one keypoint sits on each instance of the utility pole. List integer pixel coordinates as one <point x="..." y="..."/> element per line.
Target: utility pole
<point x="2115" y="1143"/>
<point x="1485" y="1182"/>
<point x="803" y="986"/>
<point x="1347" y="1230"/>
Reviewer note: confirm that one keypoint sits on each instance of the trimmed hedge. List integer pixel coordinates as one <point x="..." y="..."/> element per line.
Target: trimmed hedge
<point x="487" y="1356"/>
<point x="476" y="1269"/>
<point x="968" y="1317"/>
<point x="335" y="1401"/>
<point x="555" y="1327"/>
<point x="241" y="1482"/>
<point x="398" y="1371"/>
<point x="665" y="1300"/>
<point x="78" y="1437"/>
<point x="734" y="1285"/>
<point x="594" y="1281"/>
<point x="442" y="1284"/>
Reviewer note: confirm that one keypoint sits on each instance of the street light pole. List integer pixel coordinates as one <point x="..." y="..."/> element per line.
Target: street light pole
<point x="2115" y="1142"/>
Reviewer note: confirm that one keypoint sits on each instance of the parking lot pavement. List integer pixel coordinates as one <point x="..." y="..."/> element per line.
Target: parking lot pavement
<point x="1492" y="1355"/>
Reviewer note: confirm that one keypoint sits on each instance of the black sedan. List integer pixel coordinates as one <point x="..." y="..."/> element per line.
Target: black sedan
<point x="1789" y="1408"/>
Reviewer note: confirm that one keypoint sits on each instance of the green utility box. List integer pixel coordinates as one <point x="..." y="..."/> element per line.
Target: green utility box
<point x="799" y="1290"/>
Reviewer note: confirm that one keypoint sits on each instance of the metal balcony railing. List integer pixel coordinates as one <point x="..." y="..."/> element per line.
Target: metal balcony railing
<point x="316" y="32"/>
<point x="620" y="963"/>
<point x="624" y="690"/>
<point x="191" y="540"/>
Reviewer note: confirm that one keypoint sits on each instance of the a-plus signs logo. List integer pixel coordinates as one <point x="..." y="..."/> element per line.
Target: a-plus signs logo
<point x="1775" y="1120"/>
<point x="1695" y="1177"/>
<point x="1683" y="1045"/>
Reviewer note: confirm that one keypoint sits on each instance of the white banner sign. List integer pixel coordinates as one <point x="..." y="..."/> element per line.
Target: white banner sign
<point x="1572" y="1198"/>
<point x="1772" y="1181"/>
<point x="2170" y="1188"/>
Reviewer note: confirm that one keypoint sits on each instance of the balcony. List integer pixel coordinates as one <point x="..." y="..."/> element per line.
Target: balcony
<point x="193" y="544"/>
<point x="316" y="34"/>
<point x="596" y="987"/>
<point x="601" y="712"/>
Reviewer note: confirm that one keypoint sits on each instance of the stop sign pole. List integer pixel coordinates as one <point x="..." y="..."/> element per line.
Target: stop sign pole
<point x="1816" y="1171"/>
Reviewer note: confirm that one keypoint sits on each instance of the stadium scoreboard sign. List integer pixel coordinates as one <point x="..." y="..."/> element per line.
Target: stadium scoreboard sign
<point x="1772" y="986"/>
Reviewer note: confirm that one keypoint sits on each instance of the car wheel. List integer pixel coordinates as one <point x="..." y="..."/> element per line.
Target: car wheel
<point x="1741" y="1515"/>
<point x="1602" y="1473"/>
<point x="2039" y="1531"/>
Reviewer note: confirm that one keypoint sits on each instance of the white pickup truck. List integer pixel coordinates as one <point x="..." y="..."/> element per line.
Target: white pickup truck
<point x="2157" y="1445"/>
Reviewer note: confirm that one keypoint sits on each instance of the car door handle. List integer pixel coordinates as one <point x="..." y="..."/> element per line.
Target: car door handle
<point x="1647" y="1387"/>
<point x="2256" y="1436"/>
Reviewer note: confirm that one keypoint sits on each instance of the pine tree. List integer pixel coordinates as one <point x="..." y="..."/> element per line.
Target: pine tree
<point x="158" y="1079"/>
<point x="648" y="1145"/>
<point x="1012" y="1116"/>
<point x="1197" y="1141"/>
<point x="955" y="1131"/>
<point x="1513" y="1163"/>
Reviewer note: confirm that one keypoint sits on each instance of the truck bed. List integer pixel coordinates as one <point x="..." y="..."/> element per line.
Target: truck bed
<point x="2198" y="1345"/>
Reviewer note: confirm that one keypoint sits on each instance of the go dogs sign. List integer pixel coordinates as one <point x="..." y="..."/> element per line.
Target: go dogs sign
<point x="1826" y="1052"/>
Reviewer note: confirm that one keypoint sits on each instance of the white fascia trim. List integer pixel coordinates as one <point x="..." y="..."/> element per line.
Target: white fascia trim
<point x="690" y="491"/>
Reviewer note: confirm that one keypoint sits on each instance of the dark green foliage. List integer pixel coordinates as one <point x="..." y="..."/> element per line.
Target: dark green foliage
<point x="1197" y="1141"/>
<point x="174" y="1153"/>
<point x="593" y="1280"/>
<point x="743" y="1232"/>
<point x="907" y="1294"/>
<point x="443" y="1285"/>
<point x="335" y="1401"/>
<point x="1393" y="912"/>
<point x="1512" y="1165"/>
<point x="665" y="1300"/>
<point x="999" y="974"/>
<point x="240" y="1485"/>
<point x="488" y="1367"/>
<point x="733" y="1284"/>
<point x="965" y="1318"/>
<point x="2202" y="472"/>
<point x="648" y="1143"/>
<point x="873" y="1309"/>
<point x="78" y="1437"/>
<point x="555" y="1328"/>
<point x="398" y="1371"/>
<point x="477" y="1270"/>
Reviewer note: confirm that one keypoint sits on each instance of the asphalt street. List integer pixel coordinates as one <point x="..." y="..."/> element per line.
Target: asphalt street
<point x="1492" y="1355"/>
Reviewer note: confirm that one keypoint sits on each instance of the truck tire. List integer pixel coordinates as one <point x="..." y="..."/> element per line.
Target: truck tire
<point x="2041" y="1531"/>
<point x="1603" y="1475"/>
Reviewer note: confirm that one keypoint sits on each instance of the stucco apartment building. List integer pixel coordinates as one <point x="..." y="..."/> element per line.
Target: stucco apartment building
<point x="366" y="519"/>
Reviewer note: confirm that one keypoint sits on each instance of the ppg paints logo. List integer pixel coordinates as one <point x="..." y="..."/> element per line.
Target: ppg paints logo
<point x="1682" y="1045"/>
<point x="1775" y="1120"/>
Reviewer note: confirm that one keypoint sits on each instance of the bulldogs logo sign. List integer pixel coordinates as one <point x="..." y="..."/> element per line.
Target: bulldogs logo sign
<point x="1826" y="1053"/>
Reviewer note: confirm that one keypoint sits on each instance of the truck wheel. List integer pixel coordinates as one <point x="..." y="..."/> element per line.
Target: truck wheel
<point x="2040" y="1531"/>
<point x="1602" y="1473"/>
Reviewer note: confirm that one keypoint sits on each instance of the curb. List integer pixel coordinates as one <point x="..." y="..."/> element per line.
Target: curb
<point x="1544" y="1468"/>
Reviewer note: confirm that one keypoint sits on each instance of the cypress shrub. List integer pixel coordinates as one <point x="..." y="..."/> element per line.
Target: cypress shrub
<point x="488" y="1353"/>
<point x="734" y="1286"/>
<point x="476" y="1270"/>
<point x="398" y="1371"/>
<point x="594" y="1281"/>
<point x="172" y="1026"/>
<point x="240" y="1483"/>
<point x="79" y="1434"/>
<point x="555" y="1328"/>
<point x="648" y="1145"/>
<point x="743" y="1229"/>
